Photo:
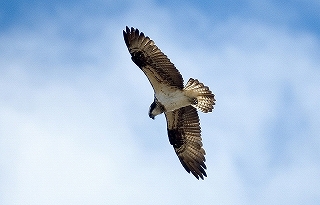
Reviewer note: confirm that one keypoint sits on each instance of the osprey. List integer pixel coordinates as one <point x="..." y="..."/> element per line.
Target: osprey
<point x="176" y="101"/>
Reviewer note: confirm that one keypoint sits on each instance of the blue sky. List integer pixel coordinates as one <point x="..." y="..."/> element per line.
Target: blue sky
<point x="74" y="127"/>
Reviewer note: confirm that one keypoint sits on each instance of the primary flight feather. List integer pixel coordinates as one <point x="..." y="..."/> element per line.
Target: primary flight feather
<point x="176" y="101"/>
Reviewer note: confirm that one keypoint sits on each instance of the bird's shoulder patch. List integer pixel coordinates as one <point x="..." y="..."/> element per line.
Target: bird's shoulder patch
<point x="175" y="138"/>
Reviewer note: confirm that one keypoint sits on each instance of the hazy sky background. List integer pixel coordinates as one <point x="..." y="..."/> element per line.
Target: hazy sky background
<point x="74" y="125"/>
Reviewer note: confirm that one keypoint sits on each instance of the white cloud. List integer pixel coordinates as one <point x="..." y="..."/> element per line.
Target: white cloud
<point x="72" y="133"/>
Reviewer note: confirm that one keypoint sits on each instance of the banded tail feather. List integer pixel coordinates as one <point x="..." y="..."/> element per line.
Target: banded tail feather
<point x="203" y="98"/>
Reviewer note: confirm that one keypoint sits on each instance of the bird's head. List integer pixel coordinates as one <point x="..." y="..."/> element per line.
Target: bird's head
<point x="155" y="109"/>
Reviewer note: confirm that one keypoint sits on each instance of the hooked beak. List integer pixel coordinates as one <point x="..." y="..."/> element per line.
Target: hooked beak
<point x="151" y="116"/>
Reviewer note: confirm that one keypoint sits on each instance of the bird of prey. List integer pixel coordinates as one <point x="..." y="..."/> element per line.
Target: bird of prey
<point x="179" y="103"/>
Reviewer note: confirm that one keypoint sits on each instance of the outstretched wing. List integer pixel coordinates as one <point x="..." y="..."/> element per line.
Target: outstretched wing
<point x="184" y="135"/>
<point x="155" y="64"/>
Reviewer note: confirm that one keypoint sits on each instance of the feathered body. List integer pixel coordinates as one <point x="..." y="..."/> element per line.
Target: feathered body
<point x="178" y="102"/>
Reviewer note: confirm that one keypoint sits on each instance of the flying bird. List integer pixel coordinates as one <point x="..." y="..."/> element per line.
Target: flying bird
<point x="179" y="103"/>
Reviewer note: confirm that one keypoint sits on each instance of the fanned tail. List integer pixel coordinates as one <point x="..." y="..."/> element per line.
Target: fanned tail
<point x="202" y="97"/>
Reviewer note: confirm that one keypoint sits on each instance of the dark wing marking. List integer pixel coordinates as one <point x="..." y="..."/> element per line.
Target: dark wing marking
<point x="184" y="135"/>
<point x="155" y="64"/>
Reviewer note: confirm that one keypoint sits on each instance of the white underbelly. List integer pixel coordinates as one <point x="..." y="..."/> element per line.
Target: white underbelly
<point x="173" y="100"/>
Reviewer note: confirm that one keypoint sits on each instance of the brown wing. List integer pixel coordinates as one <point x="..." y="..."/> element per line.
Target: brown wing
<point x="184" y="135"/>
<point x="155" y="64"/>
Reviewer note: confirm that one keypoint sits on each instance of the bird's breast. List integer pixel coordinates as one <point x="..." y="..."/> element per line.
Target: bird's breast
<point x="172" y="99"/>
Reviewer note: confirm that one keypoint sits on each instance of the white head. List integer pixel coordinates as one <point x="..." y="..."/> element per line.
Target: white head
<point x="155" y="109"/>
